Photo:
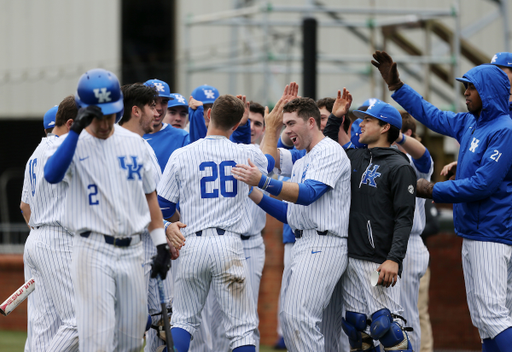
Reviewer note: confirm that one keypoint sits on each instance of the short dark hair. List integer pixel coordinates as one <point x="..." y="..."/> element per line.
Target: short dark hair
<point x="305" y="108"/>
<point x="227" y="111"/>
<point x="257" y="108"/>
<point x="67" y="110"/>
<point x="393" y="132"/>
<point x="328" y="103"/>
<point x="136" y="94"/>
<point x="408" y="123"/>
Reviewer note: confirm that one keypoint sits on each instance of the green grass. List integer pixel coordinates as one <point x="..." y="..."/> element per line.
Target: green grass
<point x="14" y="341"/>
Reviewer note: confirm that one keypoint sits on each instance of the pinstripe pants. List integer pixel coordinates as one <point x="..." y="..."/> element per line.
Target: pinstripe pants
<point x="52" y="314"/>
<point x="317" y="265"/>
<point x="487" y="268"/>
<point x="154" y="306"/>
<point x="111" y="297"/>
<point x="415" y="265"/>
<point x="211" y="259"/>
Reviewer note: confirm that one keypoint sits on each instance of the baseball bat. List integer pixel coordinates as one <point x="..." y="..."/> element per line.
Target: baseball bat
<point x="17" y="297"/>
<point x="168" y="336"/>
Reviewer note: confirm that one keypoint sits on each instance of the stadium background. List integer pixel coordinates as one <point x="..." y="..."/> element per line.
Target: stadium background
<point x="241" y="46"/>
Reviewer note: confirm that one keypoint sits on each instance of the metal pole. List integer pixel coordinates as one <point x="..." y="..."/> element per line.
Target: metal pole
<point x="456" y="55"/>
<point x="188" y="68"/>
<point x="309" y="57"/>
<point x="233" y="53"/>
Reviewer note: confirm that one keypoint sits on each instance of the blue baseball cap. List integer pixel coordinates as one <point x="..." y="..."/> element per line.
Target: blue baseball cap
<point x="355" y="132"/>
<point x="502" y="59"/>
<point x="161" y="87"/>
<point x="178" y="100"/>
<point x="382" y="111"/>
<point x="205" y="94"/>
<point x="49" y="118"/>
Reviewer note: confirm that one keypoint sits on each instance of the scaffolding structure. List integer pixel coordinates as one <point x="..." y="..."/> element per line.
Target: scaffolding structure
<point x="257" y="57"/>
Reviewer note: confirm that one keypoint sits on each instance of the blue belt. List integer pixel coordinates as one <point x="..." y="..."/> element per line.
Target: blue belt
<point x="115" y="241"/>
<point x="220" y="232"/>
<point x="298" y="233"/>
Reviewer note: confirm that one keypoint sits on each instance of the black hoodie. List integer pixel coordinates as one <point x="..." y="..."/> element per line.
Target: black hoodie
<point x="382" y="210"/>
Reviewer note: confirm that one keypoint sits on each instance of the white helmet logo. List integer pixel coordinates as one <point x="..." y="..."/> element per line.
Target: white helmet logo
<point x="180" y="98"/>
<point x="159" y="87"/>
<point x="102" y="97"/>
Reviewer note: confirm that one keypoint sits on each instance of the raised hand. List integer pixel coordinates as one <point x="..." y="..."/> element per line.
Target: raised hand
<point x="387" y="69"/>
<point x="245" y="117"/>
<point x="342" y="103"/>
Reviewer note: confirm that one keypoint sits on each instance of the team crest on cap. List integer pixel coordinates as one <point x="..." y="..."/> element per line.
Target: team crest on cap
<point x="159" y="87"/>
<point x="102" y="94"/>
<point x="209" y="94"/>
<point x="180" y="98"/>
<point x="372" y="103"/>
<point x="494" y="58"/>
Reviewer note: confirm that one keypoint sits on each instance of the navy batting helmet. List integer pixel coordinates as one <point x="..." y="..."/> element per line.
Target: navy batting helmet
<point x="205" y="94"/>
<point x="101" y="88"/>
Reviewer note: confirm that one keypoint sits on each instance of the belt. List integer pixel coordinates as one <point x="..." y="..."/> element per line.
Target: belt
<point x="245" y="238"/>
<point x="298" y="233"/>
<point x="220" y="232"/>
<point x="116" y="241"/>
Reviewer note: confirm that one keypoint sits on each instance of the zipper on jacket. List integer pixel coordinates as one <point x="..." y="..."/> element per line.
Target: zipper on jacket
<point x="370" y="234"/>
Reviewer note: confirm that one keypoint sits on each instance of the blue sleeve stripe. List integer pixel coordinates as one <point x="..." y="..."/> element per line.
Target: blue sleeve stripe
<point x="271" y="163"/>
<point x="274" y="207"/>
<point x="56" y="167"/>
<point x="424" y="163"/>
<point x="168" y="208"/>
<point x="310" y="191"/>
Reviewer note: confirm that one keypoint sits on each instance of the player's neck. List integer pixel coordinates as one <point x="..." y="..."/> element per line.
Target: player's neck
<point x="158" y="128"/>
<point x="133" y="127"/>
<point x="213" y="131"/>
<point x="382" y="142"/>
<point x="60" y="130"/>
<point x="317" y="137"/>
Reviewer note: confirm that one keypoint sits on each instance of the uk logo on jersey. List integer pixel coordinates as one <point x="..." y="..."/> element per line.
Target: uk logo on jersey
<point x="474" y="144"/>
<point x="370" y="175"/>
<point x="133" y="168"/>
<point x="159" y="87"/>
<point x="209" y="94"/>
<point x="303" y="177"/>
<point x="180" y="98"/>
<point x="103" y="95"/>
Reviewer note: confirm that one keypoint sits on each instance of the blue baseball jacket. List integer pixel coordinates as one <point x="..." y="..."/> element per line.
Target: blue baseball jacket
<point x="482" y="189"/>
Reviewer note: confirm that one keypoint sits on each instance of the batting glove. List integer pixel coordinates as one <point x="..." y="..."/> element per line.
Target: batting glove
<point x="387" y="69"/>
<point x="84" y="118"/>
<point x="161" y="261"/>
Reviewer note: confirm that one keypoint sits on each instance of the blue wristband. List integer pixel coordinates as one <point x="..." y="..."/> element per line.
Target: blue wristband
<point x="403" y="139"/>
<point x="166" y="225"/>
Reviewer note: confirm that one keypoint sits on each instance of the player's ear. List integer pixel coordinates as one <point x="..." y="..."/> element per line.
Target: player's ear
<point x="385" y="128"/>
<point x="69" y="123"/>
<point x="135" y="111"/>
<point x="208" y="114"/>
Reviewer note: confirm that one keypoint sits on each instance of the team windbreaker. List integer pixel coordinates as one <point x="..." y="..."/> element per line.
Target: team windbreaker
<point x="482" y="189"/>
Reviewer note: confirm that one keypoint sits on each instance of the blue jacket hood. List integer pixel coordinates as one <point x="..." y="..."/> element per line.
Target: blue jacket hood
<point x="494" y="96"/>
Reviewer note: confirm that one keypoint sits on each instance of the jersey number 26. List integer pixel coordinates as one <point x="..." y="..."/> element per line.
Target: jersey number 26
<point x="215" y="171"/>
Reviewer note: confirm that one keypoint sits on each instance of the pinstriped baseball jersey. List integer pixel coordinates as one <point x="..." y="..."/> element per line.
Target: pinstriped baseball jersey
<point x="101" y="196"/>
<point x="199" y="177"/>
<point x="418" y="224"/>
<point x="154" y="162"/>
<point x="45" y="199"/>
<point x="326" y="163"/>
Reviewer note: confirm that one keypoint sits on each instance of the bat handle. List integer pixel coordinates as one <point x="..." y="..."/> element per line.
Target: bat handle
<point x="167" y="326"/>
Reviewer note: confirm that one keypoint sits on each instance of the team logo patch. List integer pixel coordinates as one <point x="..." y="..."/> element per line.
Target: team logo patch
<point x="474" y="144"/>
<point x="411" y="189"/>
<point x="102" y="94"/>
<point x="180" y="98"/>
<point x="209" y="94"/>
<point x="133" y="168"/>
<point x="370" y="175"/>
<point x="159" y="87"/>
<point x="494" y="58"/>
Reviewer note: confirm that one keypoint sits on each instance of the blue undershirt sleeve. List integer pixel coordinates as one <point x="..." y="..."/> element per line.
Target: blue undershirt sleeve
<point x="310" y="191"/>
<point x="168" y="208"/>
<point x="271" y="163"/>
<point x="274" y="207"/>
<point x="423" y="163"/>
<point x="56" y="167"/>
<point x="242" y="134"/>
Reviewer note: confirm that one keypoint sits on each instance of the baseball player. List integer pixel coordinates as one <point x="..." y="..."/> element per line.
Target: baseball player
<point x="110" y="201"/>
<point x="200" y="101"/>
<point x="49" y="120"/>
<point x="47" y="254"/>
<point x="213" y="205"/>
<point x="164" y="139"/>
<point x="317" y="212"/>
<point x="381" y="217"/>
<point x="139" y="112"/>
<point x="417" y="257"/>
<point x="480" y="191"/>
<point x="177" y="111"/>
<point x="504" y="61"/>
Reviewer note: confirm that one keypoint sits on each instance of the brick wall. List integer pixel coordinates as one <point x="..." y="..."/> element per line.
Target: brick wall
<point x="448" y="308"/>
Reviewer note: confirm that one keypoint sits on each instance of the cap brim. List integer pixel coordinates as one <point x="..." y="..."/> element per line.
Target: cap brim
<point x="362" y="114"/>
<point x="463" y="80"/>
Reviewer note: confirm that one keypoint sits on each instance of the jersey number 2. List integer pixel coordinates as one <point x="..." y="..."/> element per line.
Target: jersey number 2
<point x="216" y="169"/>
<point x="94" y="191"/>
